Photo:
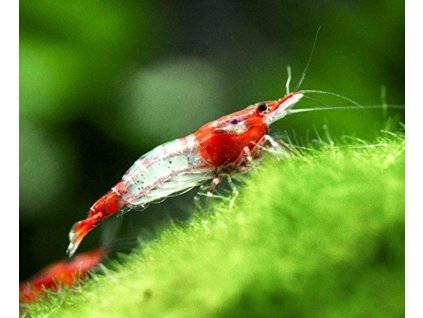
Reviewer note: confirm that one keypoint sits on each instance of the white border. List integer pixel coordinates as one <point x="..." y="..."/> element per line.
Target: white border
<point x="414" y="159"/>
<point x="9" y="185"/>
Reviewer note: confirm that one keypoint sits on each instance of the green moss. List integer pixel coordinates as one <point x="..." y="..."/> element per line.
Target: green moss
<point x="318" y="235"/>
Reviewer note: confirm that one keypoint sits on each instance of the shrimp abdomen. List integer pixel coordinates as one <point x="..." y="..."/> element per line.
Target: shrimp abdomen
<point x="167" y="169"/>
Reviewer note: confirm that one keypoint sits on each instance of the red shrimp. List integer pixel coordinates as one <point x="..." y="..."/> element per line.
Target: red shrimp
<point x="224" y="146"/>
<point x="62" y="273"/>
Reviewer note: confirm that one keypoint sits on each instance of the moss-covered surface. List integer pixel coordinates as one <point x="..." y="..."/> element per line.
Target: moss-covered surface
<point x="318" y="235"/>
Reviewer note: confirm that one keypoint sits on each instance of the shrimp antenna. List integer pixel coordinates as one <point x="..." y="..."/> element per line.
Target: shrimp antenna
<point x="288" y="80"/>
<point x="332" y="94"/>
<point x="308" y="62"/>
<point x="323" y="104"/>
<point x="305" y="110"/>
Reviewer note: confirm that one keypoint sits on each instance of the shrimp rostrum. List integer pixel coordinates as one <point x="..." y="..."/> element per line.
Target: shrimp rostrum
<point x="224" y="146"/>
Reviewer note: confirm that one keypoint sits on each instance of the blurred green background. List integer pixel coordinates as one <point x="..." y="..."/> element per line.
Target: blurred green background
<point x="102" y="82"/>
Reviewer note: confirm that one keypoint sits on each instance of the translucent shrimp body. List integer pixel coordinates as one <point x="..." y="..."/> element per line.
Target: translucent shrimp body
<point x="167" y="169"/>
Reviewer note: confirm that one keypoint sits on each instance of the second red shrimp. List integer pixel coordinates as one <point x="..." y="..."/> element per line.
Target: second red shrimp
<point x="61" y="273"/>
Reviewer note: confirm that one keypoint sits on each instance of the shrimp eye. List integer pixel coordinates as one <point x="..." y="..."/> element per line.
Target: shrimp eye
<point x="234" y="121"/>
<point x="262" y="107"/>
